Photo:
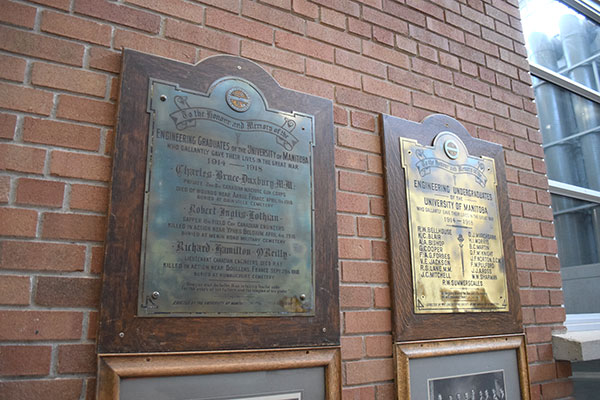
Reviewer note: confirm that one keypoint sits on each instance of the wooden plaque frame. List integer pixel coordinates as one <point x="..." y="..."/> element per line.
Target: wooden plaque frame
<point x="407" y="325"/>
<point x="112" y="369"/>
<point x="120" y="329"/>
<point x="405" y="352"/>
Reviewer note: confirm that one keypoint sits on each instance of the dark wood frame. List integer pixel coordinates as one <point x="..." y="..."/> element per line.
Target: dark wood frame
<point x="407" y="325"/>
<point x="404" y="352"/>
<point x="112" y="369"/>
<point x="120" y="330"/>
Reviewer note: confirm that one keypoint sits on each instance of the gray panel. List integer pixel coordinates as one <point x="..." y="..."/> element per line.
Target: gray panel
<point x="310" y="382"/>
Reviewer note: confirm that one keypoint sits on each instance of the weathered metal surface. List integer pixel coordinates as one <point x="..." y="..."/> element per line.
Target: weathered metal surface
<point x="228" y="214"/>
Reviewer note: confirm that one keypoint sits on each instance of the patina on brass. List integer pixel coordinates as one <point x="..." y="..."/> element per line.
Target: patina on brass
<point x="228" y="210"/>
<point x="454" y="224"/>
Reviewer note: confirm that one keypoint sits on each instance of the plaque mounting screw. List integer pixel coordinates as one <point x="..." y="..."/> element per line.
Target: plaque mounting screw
<point x="155" y="294"/>
<point x="163" y="97"/>
<point x="302" y="297"/>
<point x="324" y="330"/>
<point x="121" y="334"/>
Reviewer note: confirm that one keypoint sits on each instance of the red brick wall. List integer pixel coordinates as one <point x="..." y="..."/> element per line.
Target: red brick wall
<point x="59" y="64"/>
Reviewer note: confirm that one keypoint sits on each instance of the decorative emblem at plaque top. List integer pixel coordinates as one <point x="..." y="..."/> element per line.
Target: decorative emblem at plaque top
<point x="228" y="213"/>
<point x="238" y="99"/>
<point x="457" y="251"/>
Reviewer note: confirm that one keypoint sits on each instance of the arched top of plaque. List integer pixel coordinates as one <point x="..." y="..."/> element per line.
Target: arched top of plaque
<point x="451" y="243"/>
<point x="221" y="210"/>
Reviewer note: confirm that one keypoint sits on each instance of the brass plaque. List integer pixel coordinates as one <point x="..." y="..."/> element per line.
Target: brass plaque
<point x="454" y="226"/>
<point x="228" y="211"/>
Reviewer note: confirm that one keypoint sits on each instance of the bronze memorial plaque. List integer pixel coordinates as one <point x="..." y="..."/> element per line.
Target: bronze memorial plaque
<point x="228" y="211"/>
<point x="454" y="225"/>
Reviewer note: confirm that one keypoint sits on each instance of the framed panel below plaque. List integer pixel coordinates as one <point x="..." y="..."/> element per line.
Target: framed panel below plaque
<point x="302" y="374"/>
<point x="450" y="237"/>
<point x="221" y="212"/>
<point x="465" y="369"/>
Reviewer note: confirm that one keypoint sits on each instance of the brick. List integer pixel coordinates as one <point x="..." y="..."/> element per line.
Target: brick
<point x="563" y="369"/>
<point x="40" y="192"/>
<point x="379" y="346"/>
<point x="14" y="290"/>
<point x="375" y="164"/>
<point x="355" y="297"/>
<point x="41" y="256"/>
<point x="536" y="211"/>
<point x="433" y="103"/>
<point x="542" y="372"/>
<point x="556" y="390"/>
<point x="67" y="292"/>
<point x="360" y="100"/>
<point x="546" y="279"/>
<point x="350" y="202"/>
<point x="84" y="166"/>
<point x="405" y="13"/>
<point x="69" y="79"/>
<point x="557" y="298"/>
<point x="510" y="127"/>
<point x="522" y="243"/>
<point x="105" y="60"/>
<point x="40" y="325"/>
<point x="452" y="93"/>
<point x="352" y="347"/>
<point x="428" y="53"/>
<point x="505" y="141"/>
<point x="408" y="112"/>
<point x="346" y="225"/>
<point x="200" y="36"/>
<point x="534" y="297"/>
<point x="229" y="5"/>
<point x="377" y="206"/>
<point x="307" y="85"/>
<point x="382" y="297"/>
<point x="299" y="44"/>
<point x="359" y="140"/>
<point x="362" y="372"/>
<point x="360" y="183"/>
<point x="385" y="89"/>
<point x="445" y="30"/>
<point x="408" y="79"/>
<point x="76" y="28"/>
<point x="272" y="16"/>
<point x="176" y="8"/>
<point x="362" y="121"/>
<point x="359" y="27"/>
<point x="549" y="315"/>
<point x="365" y="272"/>
<point x="21" y="158"/>
<point x="12" y="68"/>
<point x="354" y="248"/>
<point x="25" y="99"/>
<point x="476" y="16"/>
<point x="371" y="227"/>
<point x="25" y="360"/>
<point x="534" y="180"/>
<point x="359" y="63"/>
<point x="449" y="61"/>
<point x="154" y="45"/>
<point x="88" y="197"/>
<point x="332" y="36"/>
<point x="538" y="334"/>
<point x="8" y="123"/>
<point x="385" y="54"/>
<point x="273" y="56"/>
<point x="61" y="134"/>
<point x="120" y="14"/>
<point x="380" y="250"/>
<point x="387" y="21"/>
<point x="426" y="7"/>
<point x="74" y="227"/>
<point x="305" y="8"/>
<point x="4" y="189"/>
<point x="383" y="36"/>
<point x="64" y="389"/>
<point x="333" y="73"/>
<point x="474" y="116"/>
<point x="530" y="261"/>
<point x="350" y="159"/>
<point x="85" y="110"/>
<point x="518" y="160"/>
<point x="60" y="4"/>
<point x="359" y="393"/>
<point x="18" y="222"/>
<point x="340" y="115"/>
<point x="425" y="36"/>
<point x="525" y="226"/>
<point x="17" y="14"/>
<point x="367" y="321"/>
<point x="240" y="26"/>
<point x="92" y="325"/>
<point x="97" y="262"/>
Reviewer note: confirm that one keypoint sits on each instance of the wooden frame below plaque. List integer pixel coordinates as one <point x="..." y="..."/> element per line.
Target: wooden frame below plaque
<point x="408" y="324"/>
<point x="114" y="370"/>
<point x="122" y="327"/>
<point x="429" y="369"/>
